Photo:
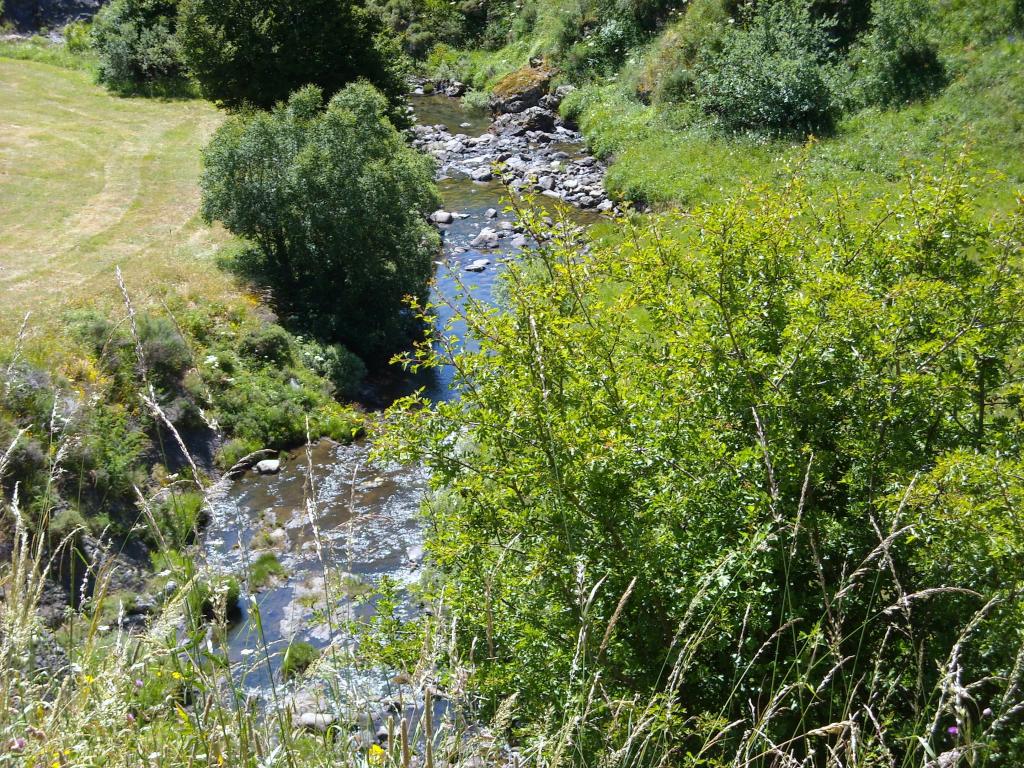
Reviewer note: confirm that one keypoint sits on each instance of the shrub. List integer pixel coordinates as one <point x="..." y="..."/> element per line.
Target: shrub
<point x="298" y="657"/>
<point x="264" y="409"/>
<point x="421" y="24"/>
<point x="235" y="450"/>
<point x="165" y="354"/>
<point x="269" y="344"/>
<point x="476" y="102"/>
<point x="178" y="518"/>
<point x="739" y="460"/>
<point x="108" y="456"/>
<point x="336" y="364"/>
<point x="898" y="60"/>
<point x="78" y="36"/>
<point x="136" y="43"/>
<point x="770" y="76"/>
<point x="670" y="74"/>
<point x="265" y="570"/>
<point x="25" y="461"/>
<point x="335" y="202"/>
<point x="241" y="56"/>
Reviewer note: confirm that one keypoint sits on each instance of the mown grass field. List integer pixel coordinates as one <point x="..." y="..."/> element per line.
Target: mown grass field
<point x="90" y="182"/>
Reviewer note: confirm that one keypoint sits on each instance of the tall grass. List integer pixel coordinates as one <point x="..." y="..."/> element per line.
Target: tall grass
<point x="167" y="697"/>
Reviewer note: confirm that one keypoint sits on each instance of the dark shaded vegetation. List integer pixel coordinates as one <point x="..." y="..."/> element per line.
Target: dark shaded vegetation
<point x="245" y="56"/>
<point x="138" y="48"/>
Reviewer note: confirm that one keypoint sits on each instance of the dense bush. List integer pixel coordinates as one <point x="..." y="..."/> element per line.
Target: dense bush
<point x="136" y="43"/>
<point x="244" y="55"/>
<point x="898" y="60"/>
<point x="334" y="201"/>
<point x="770" y="76"/>
<point x="764" y="469"/>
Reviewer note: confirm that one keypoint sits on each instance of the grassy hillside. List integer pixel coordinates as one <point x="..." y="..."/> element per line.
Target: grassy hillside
<point x="662" y="155"/>
<point x="88" y="182"/>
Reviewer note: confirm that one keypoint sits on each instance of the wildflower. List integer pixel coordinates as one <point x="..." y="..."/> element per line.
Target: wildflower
<point x="16" y="745"/>
<point x="130" y="718"/>
<point x="987" y="712"/>
<point x="953" y="730"/>
<point x="138" y="683"/>
<point x="376" y="755"/>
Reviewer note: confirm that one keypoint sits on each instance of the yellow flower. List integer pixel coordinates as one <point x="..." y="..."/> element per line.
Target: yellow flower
<point x="376" y="756"/>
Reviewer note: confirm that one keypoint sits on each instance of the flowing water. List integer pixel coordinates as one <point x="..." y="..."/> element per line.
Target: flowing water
<point x="366" y="516"/>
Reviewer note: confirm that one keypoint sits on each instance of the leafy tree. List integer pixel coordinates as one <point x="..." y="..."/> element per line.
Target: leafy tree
<point x="334" y="201"/>
<point x="257" y="54"/>
<point x="771" y="458"/>
<point x="136" y="44"/>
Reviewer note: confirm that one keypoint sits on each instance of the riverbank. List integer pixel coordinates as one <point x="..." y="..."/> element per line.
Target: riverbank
<point x="639" y="112"/>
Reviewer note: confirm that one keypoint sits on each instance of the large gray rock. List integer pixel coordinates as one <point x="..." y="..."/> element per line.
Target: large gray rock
<point x="269" y="466"/>
<point x="488" y="238"/>
<point x="533" y="119"/>
<point x="520" y="90"/>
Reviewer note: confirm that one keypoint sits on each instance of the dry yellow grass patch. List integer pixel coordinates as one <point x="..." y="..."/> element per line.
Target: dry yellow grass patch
<point x="91" y="181"/>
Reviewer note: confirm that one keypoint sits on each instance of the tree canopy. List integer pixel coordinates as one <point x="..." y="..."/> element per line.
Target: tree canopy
<point x="335" y="202"/>
<point x="258" y="53"/>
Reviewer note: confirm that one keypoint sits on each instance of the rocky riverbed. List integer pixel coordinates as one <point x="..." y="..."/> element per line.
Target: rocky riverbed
<point x="530" y="151"/>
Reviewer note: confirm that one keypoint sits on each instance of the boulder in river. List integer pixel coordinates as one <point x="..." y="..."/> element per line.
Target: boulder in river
<point x="488" y="238"/>
<point x="442" y="217"/>
<point x="478" y="266"/>
<point x="520" y="90"/>
<point x="269" y="466"/>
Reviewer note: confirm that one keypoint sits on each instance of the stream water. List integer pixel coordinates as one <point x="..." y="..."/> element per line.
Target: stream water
<point x="366" y="517"/>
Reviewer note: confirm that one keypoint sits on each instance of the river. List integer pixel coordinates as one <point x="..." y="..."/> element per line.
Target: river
<point x="364" y="519"/>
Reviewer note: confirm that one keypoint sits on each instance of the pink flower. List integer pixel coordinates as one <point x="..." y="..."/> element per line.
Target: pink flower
<point x="953" y="730"/>
<point x="17" y="745"/>
<point x="987" y="712"/>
